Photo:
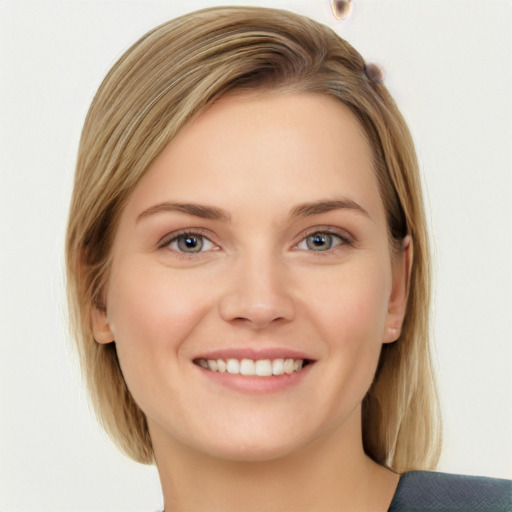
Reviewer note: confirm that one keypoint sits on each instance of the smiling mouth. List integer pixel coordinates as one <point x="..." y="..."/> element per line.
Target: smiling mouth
<point x="254" y="367"/>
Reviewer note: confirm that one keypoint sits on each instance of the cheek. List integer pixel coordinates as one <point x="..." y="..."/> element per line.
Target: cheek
<point x="351" y="306"/>
<point x="151" y="311"/>
<point x="365" y="310"/>
<point x="151" y="317"/>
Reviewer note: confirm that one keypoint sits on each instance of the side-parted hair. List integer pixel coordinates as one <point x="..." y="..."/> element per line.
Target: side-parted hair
<point x="166" y="79"/>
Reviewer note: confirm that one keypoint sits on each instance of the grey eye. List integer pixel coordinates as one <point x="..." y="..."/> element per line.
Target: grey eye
<point x="190" y="243"/>
<point x="321" y="241"/>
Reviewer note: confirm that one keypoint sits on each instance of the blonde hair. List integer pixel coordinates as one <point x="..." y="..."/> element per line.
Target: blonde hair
<point x="168" y="77"/>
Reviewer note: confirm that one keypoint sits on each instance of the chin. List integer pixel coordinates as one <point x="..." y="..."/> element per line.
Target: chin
<point x="252" y="452"/>
<point x="267" y="443"/>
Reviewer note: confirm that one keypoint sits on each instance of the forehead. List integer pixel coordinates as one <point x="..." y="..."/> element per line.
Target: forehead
<point x="276" y="148"/>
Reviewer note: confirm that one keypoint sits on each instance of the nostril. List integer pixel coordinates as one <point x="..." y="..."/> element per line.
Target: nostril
<point x="257" y="322"/>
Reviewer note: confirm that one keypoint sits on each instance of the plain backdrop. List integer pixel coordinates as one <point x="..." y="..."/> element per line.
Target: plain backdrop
<point x="449" y="66"/>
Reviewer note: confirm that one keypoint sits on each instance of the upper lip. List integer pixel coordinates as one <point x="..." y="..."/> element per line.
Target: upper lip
<point x="255" y="353"/>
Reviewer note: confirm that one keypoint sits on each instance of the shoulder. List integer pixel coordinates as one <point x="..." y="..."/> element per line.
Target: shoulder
<point x="426" y="491"/>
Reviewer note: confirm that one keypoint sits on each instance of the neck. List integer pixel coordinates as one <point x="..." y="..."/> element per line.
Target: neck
<point x="326" y="475"/>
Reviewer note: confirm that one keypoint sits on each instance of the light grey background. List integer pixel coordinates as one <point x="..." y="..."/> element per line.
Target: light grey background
<point x="449" y="65"/>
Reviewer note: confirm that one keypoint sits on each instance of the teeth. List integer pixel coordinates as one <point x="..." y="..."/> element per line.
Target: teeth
<point x="289" y="366"/>
<point x="247" y="367"/>
<point x="233" y="366"/>
<point x="277" y="367"/>
<point x="250" y="367"/>
<point x="263" y="368"/>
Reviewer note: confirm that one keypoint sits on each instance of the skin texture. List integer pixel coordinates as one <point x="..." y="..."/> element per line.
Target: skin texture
<point x="258" y="283"/>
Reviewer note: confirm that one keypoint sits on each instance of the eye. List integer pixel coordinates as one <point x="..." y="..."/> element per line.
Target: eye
<point x="190" y="243"/>
<point x="320" y="241"/>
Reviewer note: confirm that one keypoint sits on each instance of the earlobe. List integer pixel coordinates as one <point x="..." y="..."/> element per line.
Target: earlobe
<point x="392" y="334"/>
<point x="400" y="291"/>
<point x="100" y="326"/>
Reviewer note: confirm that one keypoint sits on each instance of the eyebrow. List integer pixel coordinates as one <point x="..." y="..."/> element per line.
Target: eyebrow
<point x="213" y="213"/>
<point x="197" y="210"/>
<point x="327" y="205"/>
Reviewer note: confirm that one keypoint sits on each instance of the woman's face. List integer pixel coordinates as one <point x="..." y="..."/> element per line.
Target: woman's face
<point x="255" y="243"/>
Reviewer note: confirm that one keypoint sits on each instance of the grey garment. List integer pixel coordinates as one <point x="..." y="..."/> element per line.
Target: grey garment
<point x="425" y="491"/>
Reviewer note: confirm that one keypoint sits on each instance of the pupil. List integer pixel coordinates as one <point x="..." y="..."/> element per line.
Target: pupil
<point x="320" y="241"/>
<point x="190" y="243"/>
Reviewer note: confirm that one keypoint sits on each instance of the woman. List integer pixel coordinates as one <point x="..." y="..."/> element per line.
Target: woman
<point x="248" y="270"/>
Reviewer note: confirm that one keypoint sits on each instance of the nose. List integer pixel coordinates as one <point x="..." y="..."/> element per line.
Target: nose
<point x="258" y="294"/>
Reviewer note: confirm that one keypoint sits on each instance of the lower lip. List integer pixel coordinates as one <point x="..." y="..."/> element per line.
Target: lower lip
<point x="257" y="385"/>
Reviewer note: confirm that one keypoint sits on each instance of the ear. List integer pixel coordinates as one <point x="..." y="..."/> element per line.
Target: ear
<point x="100" y="327"/>
<point x="397" y="304"/>
<point x="101" y="330"/>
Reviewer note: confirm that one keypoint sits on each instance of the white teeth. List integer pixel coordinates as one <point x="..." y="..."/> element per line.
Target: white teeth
<point x="233" y="366"/>
<point x="289" y="366"/>
<point x="247" y="367"/>
<point x="250" y="367"/>
<point x="277" y="367"/>
<point x="263" y="368"/>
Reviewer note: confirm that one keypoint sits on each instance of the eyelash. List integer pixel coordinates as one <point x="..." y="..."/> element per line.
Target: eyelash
<point x="174" y="237"/>
<point x="344" y="239"/>
<point x="165" y="243"/>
